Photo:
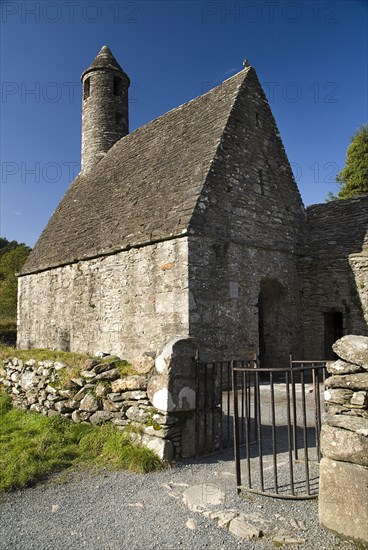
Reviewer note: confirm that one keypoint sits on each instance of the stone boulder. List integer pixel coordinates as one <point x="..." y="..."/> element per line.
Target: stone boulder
<point x="344" y="445"/>
<point x="343" y="497"/>
<point x="353" y="349"/>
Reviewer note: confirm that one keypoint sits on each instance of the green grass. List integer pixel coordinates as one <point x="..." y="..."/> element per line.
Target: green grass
<point x="71" y="359"/>
<point x="33" y="446"/>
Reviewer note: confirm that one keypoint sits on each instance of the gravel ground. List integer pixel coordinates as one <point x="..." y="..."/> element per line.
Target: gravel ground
<point x="117" y="510"/>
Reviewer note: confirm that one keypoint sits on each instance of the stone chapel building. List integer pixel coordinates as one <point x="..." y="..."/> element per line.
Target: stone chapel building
<point x="192" y="226"/>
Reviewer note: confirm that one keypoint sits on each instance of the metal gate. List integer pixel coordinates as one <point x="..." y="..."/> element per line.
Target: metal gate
<point x="277" y="422"/>
<point x="214" y="419"/>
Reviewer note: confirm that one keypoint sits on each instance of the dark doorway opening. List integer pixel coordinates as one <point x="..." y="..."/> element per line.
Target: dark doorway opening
<point x="273" y="331"/>
<point x="333" y="331"/>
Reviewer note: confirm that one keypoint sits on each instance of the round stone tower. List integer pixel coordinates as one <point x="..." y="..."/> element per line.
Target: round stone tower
<point x="104" y="107"/>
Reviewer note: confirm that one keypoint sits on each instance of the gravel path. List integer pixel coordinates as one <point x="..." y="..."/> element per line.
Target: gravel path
<point x="119" y="510"/>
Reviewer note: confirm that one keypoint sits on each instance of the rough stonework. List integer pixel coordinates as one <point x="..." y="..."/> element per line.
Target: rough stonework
<point x="343" y="494"/>
<point x="98" y="394"/>
<point x="104" y="107"/>
<point x="192" y="227"/>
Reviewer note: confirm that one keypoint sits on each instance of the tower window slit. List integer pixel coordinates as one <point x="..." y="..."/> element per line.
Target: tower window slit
<point x="87" y="88"/>
<point x="118" y="86"/>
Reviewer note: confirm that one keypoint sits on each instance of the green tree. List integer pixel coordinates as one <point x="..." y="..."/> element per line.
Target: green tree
<point x="353" y="178"/>
<point x="12" y="257"/>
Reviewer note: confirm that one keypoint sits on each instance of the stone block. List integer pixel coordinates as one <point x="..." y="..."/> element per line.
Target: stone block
<point x="129" y="383"/>
<point x="358" y="381"/>
<point x="353" y="348"/>
<point x="350" y="422"/>
<point x="341" y="367"/>
<point x="203" y="497"/>
<point x="163" y="448"/>
<point x="89" y="403"/>
<point x="344" y="445"/>
<point x="343" y="498"/>
<point x="99" y="417"/>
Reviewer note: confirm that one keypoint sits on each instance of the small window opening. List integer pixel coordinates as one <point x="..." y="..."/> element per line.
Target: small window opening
<point x="87" y="88"/>
<point x="118" y="86"/>
<point x="261" y="181"/>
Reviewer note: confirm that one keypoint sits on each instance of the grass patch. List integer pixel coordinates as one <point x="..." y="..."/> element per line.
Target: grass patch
<point x="33" y="446"/>
<point x="70" y="358"/>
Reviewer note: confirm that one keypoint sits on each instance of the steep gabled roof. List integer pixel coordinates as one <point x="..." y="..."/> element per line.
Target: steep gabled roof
<point x="146" y="187"/>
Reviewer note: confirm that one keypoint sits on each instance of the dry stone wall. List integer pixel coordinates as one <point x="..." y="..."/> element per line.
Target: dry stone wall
<point x="343" y="496"/>
<point x="161" y="408"/>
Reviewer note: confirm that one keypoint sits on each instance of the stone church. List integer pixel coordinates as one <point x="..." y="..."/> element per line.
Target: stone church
<point x="192" y="227"/>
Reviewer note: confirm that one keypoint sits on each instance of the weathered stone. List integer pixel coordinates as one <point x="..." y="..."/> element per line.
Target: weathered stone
<point x="100" y="417"/>
<point x="344" y="445"/>
<point x="358" y="381"/>
<point x="163" y="448"/>
<point x="27" y="380"/>
<point x="66" y="406"/>
<point x="343" y="494"/>
<point x="353" y="348"/>
<point x="100" y="390"/>
<point x="138" y="414"/>
<point x="143" y="364"/>
<point x="80" y="416"/>
<point x="115" y="397"/>
<point x="129" y="383"/>
<point x="103" y="367"/>
<point x="223" y="518"/>
<point x="31" y="397"/>
<point x="134" y="395"/>
<point x="191" y="524"/>
<point x="89" y="374"/>
<point x="89" y="403"/>
<point x="338" y="396"/>
<point x="167" y="432"/>
<point x="287" y="539"/>
<point x="82" y="392"/>
<point x="341" y="367"/>
<point x="110" y="406"/>
<point x="245" y="530"/>
<point x="35" y="407"/>
<point x="360" y="399"/>
<point x="68" y="394"/>
<point x="178" y="357"/>
<point x="203" y="497"/>
<point x="89" y="364"/>
<point x="15" y="377"/>
<point x="109" y="375"/>
<point x="348" y="422"/>
<point x="159" y="394"/>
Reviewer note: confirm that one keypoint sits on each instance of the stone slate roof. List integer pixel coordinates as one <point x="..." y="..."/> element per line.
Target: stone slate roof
<point x="104" y="60"/>
<point x="146" y="187"/>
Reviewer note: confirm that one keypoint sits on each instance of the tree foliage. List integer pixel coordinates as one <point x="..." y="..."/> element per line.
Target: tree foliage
<point x="353" y="178"/>
<point x="12" y="257"/>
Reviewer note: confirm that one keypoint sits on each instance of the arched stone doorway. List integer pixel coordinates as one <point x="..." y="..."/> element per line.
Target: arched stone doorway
<point x="273" y="325"/>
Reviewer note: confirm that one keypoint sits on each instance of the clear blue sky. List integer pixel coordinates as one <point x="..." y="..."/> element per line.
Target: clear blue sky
<point x="310" y="56"/>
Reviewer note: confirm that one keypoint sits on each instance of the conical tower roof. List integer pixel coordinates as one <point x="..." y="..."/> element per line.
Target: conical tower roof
<point x="104" y="60"/>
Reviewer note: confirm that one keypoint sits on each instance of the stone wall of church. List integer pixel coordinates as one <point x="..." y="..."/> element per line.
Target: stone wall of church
<point x="334" y="272"/>
<point x="124" y="304"/>
<point x="226" y="281"/>
<point x="248" y="235"/>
